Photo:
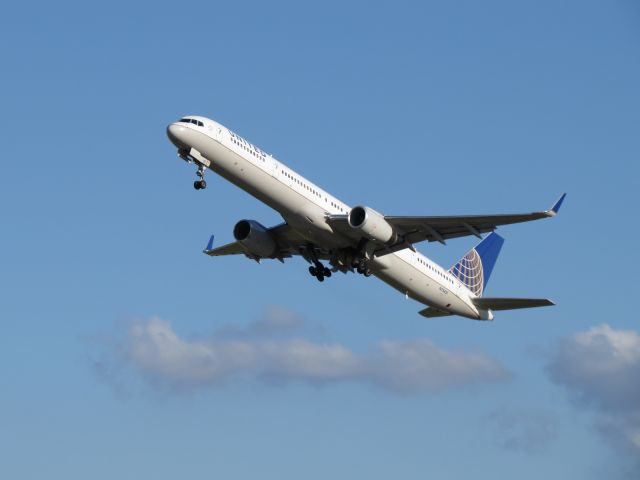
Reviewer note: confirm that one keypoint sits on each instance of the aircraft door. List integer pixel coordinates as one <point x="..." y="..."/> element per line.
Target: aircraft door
<point x="218" y="132"/>
<point x="272" y="165"/>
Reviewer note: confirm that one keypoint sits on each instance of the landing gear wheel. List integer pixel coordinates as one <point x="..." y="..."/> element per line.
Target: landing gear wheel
<point x="317" y="269"/>
<point x="319" y="272"/>
<point x="362" y="268"/>
<point x="200" y="184"/>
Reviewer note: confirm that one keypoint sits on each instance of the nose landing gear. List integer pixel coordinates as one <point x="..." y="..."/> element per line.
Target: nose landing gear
<point x="200" y="184"/>
<point x="193" y="156"/>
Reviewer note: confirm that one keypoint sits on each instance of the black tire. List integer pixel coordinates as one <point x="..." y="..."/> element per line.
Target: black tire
<point x="312" y="271"/>
<point x="196" y="185"/>
<point x="203" y="184"/>
<point x="320" y="278"/>
<point x="327" y="272"/>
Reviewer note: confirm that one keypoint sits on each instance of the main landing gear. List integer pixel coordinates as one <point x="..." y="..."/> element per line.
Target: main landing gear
<point x="200" y="184"/>
<point x="362" y="269"/>
<point x="319" y="271"/>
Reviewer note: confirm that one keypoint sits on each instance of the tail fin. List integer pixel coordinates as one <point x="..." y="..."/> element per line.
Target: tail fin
<point x="474" y="269"/>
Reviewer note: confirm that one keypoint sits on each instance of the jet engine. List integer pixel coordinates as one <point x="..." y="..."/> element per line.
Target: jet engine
<point x="255" y="238"/>
<point x="372" y="224"/>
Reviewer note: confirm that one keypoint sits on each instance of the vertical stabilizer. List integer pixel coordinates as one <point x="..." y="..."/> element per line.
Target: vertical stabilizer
<point x="474" y="269"/>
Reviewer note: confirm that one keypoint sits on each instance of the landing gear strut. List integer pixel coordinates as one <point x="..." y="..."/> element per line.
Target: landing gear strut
<point x="200" y="184"/>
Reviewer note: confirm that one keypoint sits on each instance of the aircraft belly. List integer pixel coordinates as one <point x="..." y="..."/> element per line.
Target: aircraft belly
<point x="303" y="215"/>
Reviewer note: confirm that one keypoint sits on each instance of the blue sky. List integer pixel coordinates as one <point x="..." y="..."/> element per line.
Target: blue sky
<point x="427" y="108"/>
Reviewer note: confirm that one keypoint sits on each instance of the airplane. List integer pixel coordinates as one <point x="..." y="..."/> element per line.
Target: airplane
<point x="320" y="228"/>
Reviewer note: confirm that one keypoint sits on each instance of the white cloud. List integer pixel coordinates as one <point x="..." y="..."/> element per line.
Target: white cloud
<point x="275" y="321"/>
<point x="421" y="365"/>
<point x="155" y="349"/>
<point x="601" y="368"/>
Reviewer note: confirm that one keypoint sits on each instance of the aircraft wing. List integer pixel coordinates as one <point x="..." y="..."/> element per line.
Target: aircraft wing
<point x="233" y="248"/>
<point x="288" y="241"/>
<point x="441" y="228"/>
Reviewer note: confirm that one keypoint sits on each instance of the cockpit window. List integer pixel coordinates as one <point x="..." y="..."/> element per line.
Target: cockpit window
<point x="191" y="120"/>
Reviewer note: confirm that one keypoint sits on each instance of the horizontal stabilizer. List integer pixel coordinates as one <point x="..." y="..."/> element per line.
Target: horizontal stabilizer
<point x="431" y="312"/>
<point x="488" y="303"/>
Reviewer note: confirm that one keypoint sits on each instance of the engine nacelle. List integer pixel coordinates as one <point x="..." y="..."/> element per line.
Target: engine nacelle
<point x="255" y="238"/>
<point x="372" y="224"/>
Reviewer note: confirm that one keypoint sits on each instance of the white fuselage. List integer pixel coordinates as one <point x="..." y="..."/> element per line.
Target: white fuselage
<point x="305" y="207"/>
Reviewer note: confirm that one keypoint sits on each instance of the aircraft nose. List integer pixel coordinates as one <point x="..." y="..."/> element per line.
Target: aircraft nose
<point x="176" y="132"/>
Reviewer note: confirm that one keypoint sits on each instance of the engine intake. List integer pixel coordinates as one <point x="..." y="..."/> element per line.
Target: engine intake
<point x="372" y="224"/>
<point x="255" y="237"/>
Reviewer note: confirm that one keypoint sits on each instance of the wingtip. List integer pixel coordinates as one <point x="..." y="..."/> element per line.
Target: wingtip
<point x="209" y="245"/>
<point x="556" y="206"/>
